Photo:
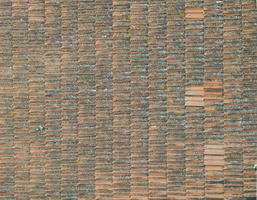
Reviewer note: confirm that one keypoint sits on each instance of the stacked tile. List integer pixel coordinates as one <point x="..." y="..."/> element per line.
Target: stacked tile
<point x="127" y="99"/>
<point x="232" y="48"/>
<point x="52" y="126"/>
<point x="6" y="102"/>
<point x="214" y="164"/>
<point x="157" y="100"/>
<point x="69" y="99"/>
<point x="36" y="98"/>
<point x="20" y="98"/>
<point x="213" y="100"/>
<point x="175" y="100"/>
<point x="121" y="100"/>
<point x="139" y="99"/>
<point x="194" y="143"/>
<point x="249" y="109"/>
<point x="104" y="99"/>
<point x="86" y="99"/>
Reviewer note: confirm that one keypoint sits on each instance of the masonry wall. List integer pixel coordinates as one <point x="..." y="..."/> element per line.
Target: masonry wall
<point x="118" y="99"/>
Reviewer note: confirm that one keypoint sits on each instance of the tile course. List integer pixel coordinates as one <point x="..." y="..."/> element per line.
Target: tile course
<point x="118" y="99"/>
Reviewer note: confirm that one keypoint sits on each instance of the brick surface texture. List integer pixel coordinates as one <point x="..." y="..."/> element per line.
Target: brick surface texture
<point x="128" y="99"/>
